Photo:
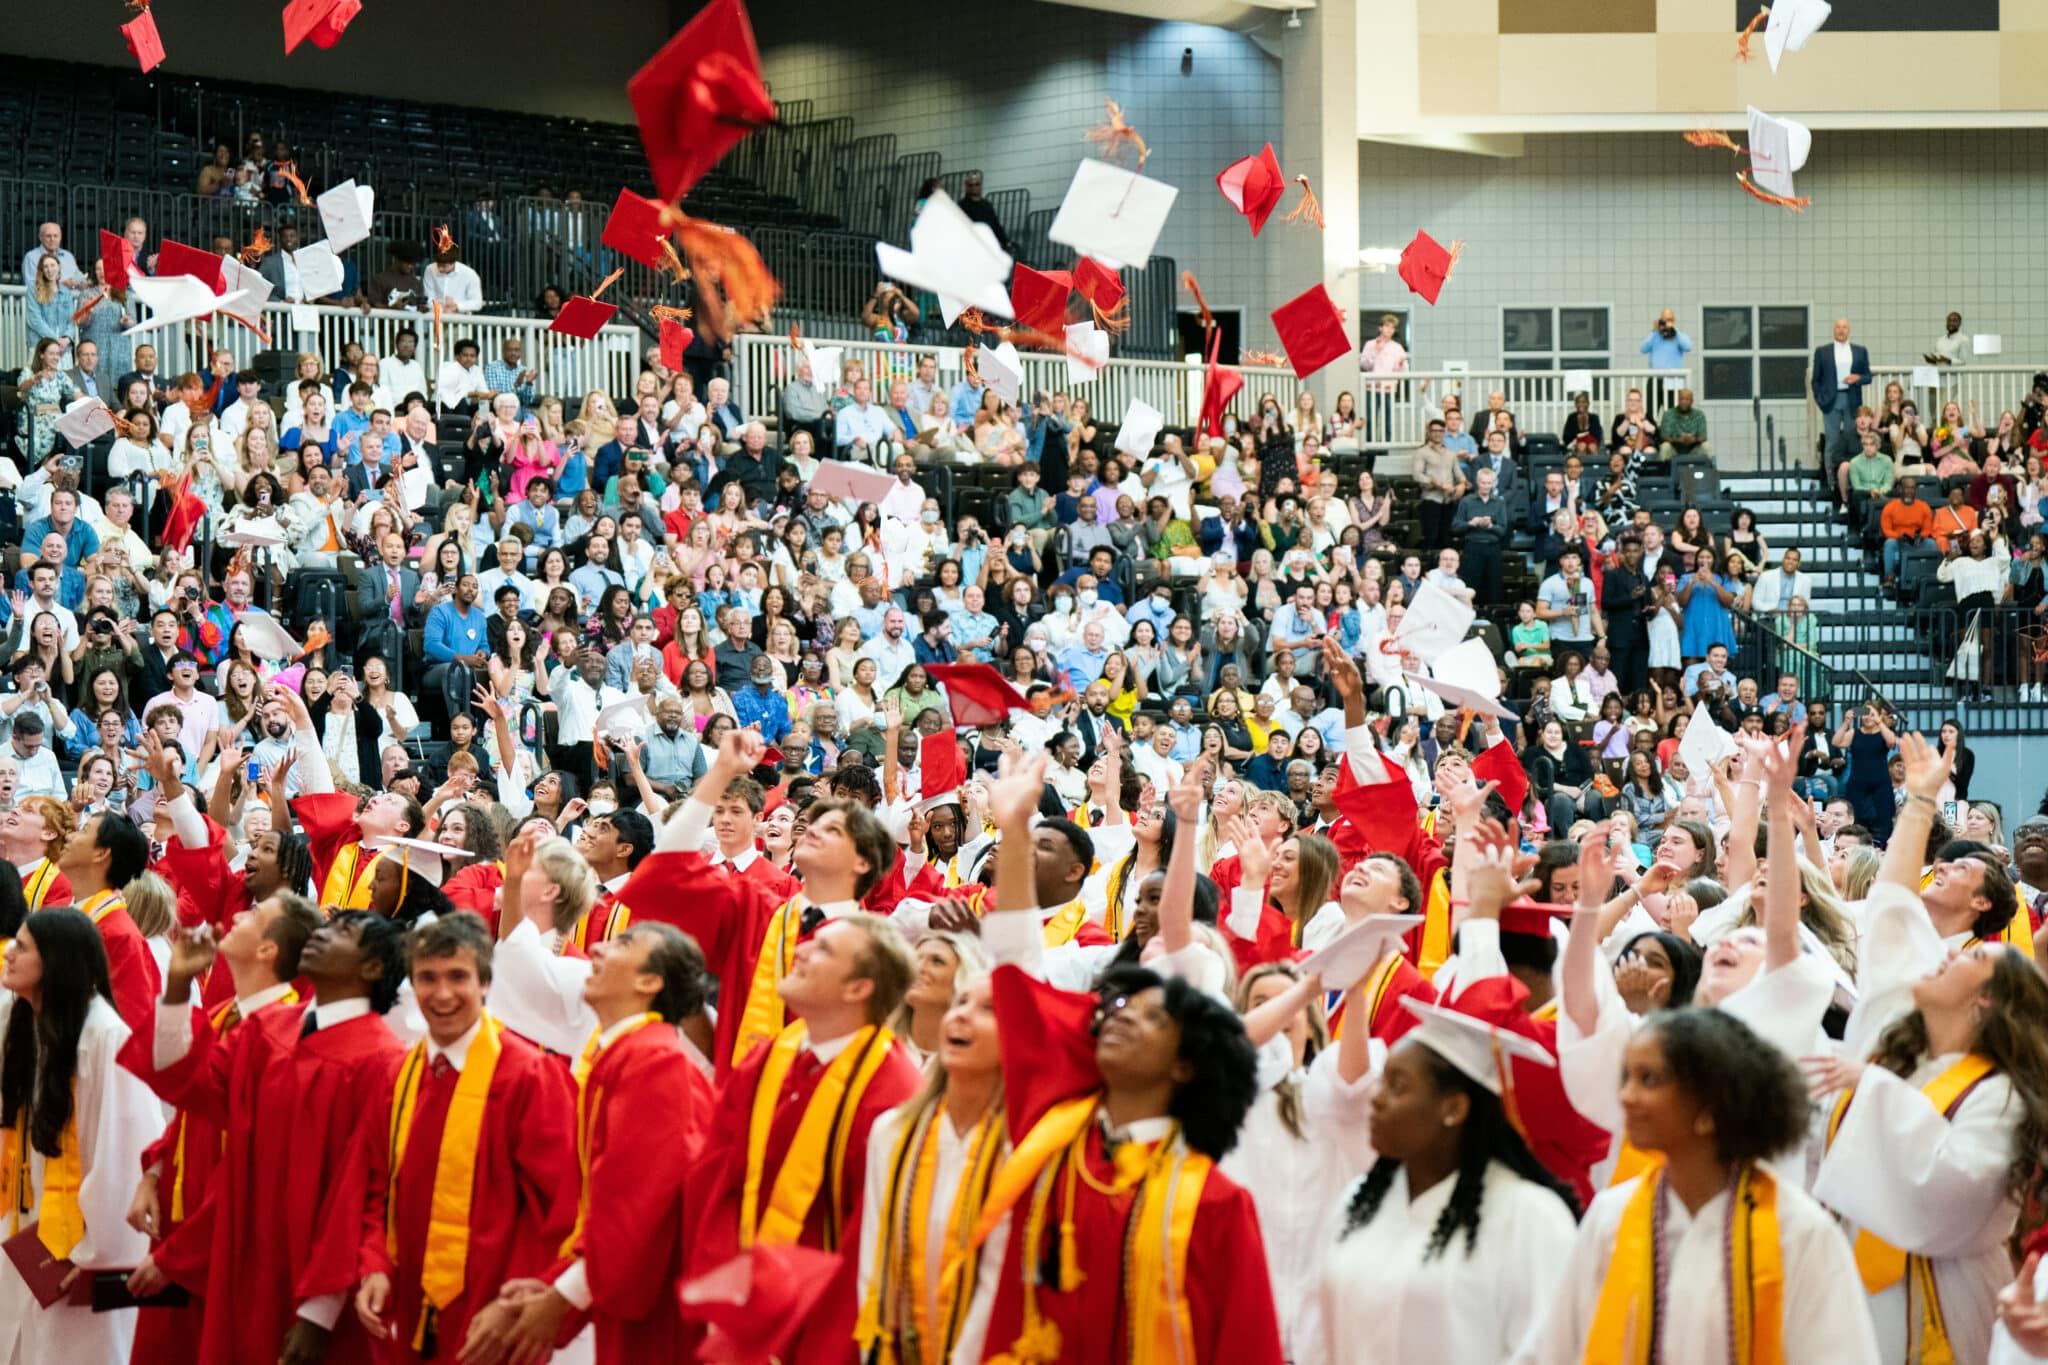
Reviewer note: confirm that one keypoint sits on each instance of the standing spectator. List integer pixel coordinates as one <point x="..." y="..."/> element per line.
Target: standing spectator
<point x="1952" y="347"/>
<point x="1705" y="599"/>
<point x="981" y="211"/>
<point x="1436" y="469"/>
<point x="1684" y="429"/>
<point x="45" y="388"/>
<point x="889" y="314"/>
<point x="50" y="303"/>
<point x="1666" y="346"/>
<point x="1625" y="601"/>
<point x="1840" y="370"/>
<point x="461" y="383"/>
<point x="1382" y="355"/>
<point x="1564" y="601"/>
<point x="454" y="284"/>
<point x="1483" y="523"/>
<point x="50" y="242"/>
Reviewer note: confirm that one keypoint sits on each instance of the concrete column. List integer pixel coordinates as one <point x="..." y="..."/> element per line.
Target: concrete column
<point x="1319" y="75"/>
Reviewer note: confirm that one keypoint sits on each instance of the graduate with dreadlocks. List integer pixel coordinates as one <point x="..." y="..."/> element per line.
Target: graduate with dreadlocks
<point x="1125" y="1243"/>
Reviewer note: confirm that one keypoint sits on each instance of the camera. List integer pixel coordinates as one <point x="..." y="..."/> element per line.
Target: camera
<point x="192" y="594"/>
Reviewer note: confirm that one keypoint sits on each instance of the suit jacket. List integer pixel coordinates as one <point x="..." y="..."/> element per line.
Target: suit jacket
<point x="102" y="387"/>
<point x="359" y="477"/>
<point x="1826" y="383"/>
<point x="373" y="590"/>
<point x="1089" y="727"/>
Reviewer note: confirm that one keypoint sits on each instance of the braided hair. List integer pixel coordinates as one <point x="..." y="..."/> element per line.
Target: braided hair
<point x="294" y="862"/>
<point x="1487" y="1137"/>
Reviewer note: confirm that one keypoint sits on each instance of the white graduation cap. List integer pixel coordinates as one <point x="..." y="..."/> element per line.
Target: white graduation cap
<point x="1777" y="148"/>
<point x="1087" y="352"/>
<point x="1139" y="429"/>
<point x="1433" y="623"/>
<point x="181" y="298"/>
<point x="252" y="535"/>
<point x="1001" y="370"/>
<point x="1705" y="743"/>
<point x="824" y="364"/>
<point x="948" y="257"/>
<point x="429" y="860"/>
<point x="1473" y="1046"/>
<point x="346" y="211"/>
<point x="1987" y="343"/>
<point x="237" y="278"/>
<point x="319" y="274"/>
<point x="1379" y="259"/>
<point x="85" y="421"/>
<point x="1344" y="960"/>
<point x="854" y="482"/>
<point x="1464" y="698"/>
<point x="1112" y="214"/>
<point x="265" y="636"/>
<point x="627" y="718"/>
<point x="1791" y="23"/>
<point x="1469" y="664"/>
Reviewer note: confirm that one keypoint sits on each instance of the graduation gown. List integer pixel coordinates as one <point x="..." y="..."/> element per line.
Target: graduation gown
<point x="724" y="1168"/>
<point x="130" y="965"/>
<point x="43" y="885"/>
<point x="210" y="893"/>
<point x="1049" y="1056"/>
<point x="1824" y="1314"/>
<point x="1384" y="1016"/>
<point x="645" y="1105"/>
<point x="336" y="840"/>
<point x="114" y="1119"/>
<point x="475" y="889"/>
<point x="1382" y="1301"/>
<point x="524" y="1190"/>
<point x="288" y="1201"/>
<point x="725" y="914"/>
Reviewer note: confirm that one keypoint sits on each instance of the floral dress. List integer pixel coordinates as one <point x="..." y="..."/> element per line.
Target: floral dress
<point x="44" y="400"/>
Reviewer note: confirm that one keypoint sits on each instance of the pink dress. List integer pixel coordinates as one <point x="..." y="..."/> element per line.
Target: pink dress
<point x="527" y="467"/>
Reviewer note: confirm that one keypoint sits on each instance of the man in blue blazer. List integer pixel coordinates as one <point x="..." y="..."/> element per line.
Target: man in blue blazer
<point x="1839" y="373"/>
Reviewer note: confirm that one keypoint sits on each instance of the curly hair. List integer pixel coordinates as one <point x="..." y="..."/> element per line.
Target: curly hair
<point x="1486" y="1137"/>
<point x="1754" y="1092"/>
<point x="378" y="940"/>
<point x="1211" y="1105"/>
<point x="2010" y="1036"/>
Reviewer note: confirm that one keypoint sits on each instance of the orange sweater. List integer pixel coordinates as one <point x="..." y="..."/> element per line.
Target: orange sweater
<point x="1902" y="518"/>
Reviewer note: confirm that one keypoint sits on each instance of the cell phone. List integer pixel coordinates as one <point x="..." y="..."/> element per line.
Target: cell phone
<point x="254" y="771"/>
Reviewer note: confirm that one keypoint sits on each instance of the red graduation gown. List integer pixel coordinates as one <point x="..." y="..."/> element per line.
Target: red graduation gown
<point x="287" y="1202"/>
<point x="475" y="889"/>
<point x="772" y="882"/>
<point x="725" y="914"/>
<point x="724" y="1167"/>
<point x="209" y="892"/>
<point x="1390" y="1022"/>
<point x="651" y="1108"/>
<point x="136" y="983"/>
<point x="57" y="891"/>
<point x="1387" y="819"/>
<point x="523" y="1200"/>
<point x="1048" y="1056"/>
<point x="329" y="822"/>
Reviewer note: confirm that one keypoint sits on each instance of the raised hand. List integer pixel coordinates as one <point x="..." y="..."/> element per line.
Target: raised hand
<point x="519" y="854"/>
<point x="487" y="702"/>
<point x="1926" y="769"/>
<point x="1495" y="877"/>
<point x="292" y="704"/>
<point x="1343" y="672"/>
<point x="1254" y="855"/>
<point x="1185" y="797"/>
<point x="1597" y="860"/>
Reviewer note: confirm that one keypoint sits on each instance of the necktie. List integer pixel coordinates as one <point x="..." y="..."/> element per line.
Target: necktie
<point x="809" y="922"/>
<point x="307" y="1025"/>
<point x="442" y="1067"/>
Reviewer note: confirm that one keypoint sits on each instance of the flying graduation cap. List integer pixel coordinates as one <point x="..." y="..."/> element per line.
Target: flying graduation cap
<point x="1254" y="186"/>
<point x="1311" y="331"/>
<point x="699" y="96"/>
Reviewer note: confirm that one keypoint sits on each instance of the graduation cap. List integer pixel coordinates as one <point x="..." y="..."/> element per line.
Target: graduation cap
<point x="175" y="258"/>
<point x="1777" y="148"/>
<point x="180" y="298"/>
<point x="322" y="21"/>
<point x="85" y="421"/>
<point x="1473" y="1046"/>
<point x="1001" y="370"/>
<point x="855" y="482"/>
<point x="117" y="258"/>
<point x="1220" y="384"/>
<point x="346" y="211"/>
<point x="1038" y="298"/>
<point x="1087" y="352"/>
<point x="1097" y="283"/>
<point x="263" y="633"/>
<point x="949" y="256"/>
<point x="237" y="278"/>
<point x="1311" y="331"/>
<point x="1464" y="698"/>
<point x="976" y="694"/>
<point x="1138" y="431"/>
<point x="1499" y="766"/>
<point x="1345" y="959"/>
<point x="319" y="271"/>
<point x="1791" y="23"/>
<point x="1434" y="622"/>
<point x="1112" y="214"/>
<point x="635" y="230"/>
<point x="675" y="340"/>
<point x="582" y="317"/>
<point x="143" y="42"/>
<point x="1533" y="918"/>
<point x="1425" y="266"/>
<point x="699" y="96"/>
<point x="187" y="508"/>
<point x="1254" y="186"/>
<point x="940" y="772"/>
<point x="758" y="1304"/>
<point x="419" y="857"/>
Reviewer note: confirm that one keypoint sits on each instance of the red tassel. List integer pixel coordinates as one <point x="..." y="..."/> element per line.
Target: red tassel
<point x="1749" y="31"/>
<point x="1115" y="321"/>
<point x="1187" y="282"/>
<point x="1714" y="137"/>
<point x="734" y="286"/>
<point x="1798" y="205"/>
<point x="1112" y="137"/>
<point x="290" y="174"/>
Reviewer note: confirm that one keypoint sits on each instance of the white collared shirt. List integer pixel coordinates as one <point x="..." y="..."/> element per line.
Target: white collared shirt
<point x="1845" y="359"/>
<point x="456" y="1052"/>
<point x="827" y="1050"/>
<point x="739" y="864"/>
<point x="247" y="1005"/>
<point x="325" y="1014"/>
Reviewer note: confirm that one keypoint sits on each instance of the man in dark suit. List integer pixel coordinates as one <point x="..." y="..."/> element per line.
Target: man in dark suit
<point x="1840" y="371"/>
<point x="1625" y="600"/>
<point x="1229" y="530"/>
<point x="374" y="582"/>
<point x="86" y="373"/>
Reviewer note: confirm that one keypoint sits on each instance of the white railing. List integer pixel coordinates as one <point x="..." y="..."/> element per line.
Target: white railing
<point x="1992" y="388"/>
<point x="568" y="367"/>
<point x="764" y="364"/>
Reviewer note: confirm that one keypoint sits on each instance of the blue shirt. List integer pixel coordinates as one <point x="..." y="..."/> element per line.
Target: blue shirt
<point x="1666" y="353"/>
<point x="502" y="378"/>
<point x="751" y="704"/>
<point x="974" y="625"/>
<point x="451" y="632"/>
<point x="81" y="540"/>
<point x="1187" y="743"/>
<point x="966" y="397"/>
<point x="70" y="591"/>
<point x="1161" y="615"/>
<point x="1081" y="665"/>
<point x="590" y="581"/>
<point x="870" y="618"/>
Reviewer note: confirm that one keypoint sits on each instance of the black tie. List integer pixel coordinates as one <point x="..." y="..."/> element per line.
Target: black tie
<point x="307" y="1025"/>
<point x="809" y="922"/>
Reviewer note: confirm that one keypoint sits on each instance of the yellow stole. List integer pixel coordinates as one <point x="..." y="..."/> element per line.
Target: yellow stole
<point x="1436" y="926"/>
<point x="1375" y="994"/>
<point x="821" y="1135"/>
<point x="100" y="904"/>
<point x="447" y="1250"/>
<point x="588" y="1106"/>
<point x="763" y="1016"/>
<point x="1625" y="1319"/>
<point x="901" y="1244"/>
<point x="60" y="1223"/>
<point x="349" y="880"/>
<point x="225" y="1017"/>
<point x="1548" y="1010"/>
<point x="1113" y="905"/>
<point x="1169" y="1178"/>
<point x="1065" y="923"/>
<point x="1883" y="1265"/>
<point x="35" y="888"/>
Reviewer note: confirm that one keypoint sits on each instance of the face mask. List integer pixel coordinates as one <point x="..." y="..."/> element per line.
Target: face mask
<point x="603" y="807"/>
<point x="1087" y="598"/>
<point x="931" y="517"/>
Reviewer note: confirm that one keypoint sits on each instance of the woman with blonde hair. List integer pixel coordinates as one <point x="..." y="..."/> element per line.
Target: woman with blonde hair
<point x="51" y="304"/>
<point x="597" y="412"/>
<point x="945" y="961"/>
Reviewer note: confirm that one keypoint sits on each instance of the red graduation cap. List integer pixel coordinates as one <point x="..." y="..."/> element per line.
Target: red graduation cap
<point x="1220" y="384"/>
<point x="635" y="229"/>
<point x="760" y="1304"/>
<point x="1425" y="266"/>
<point x="675" y="339"/>
<point x="582" y="317"/>
<point x="320" y="20"/>
<point x="1531" y="917"/>
<point x="175" y="258"/>
<point x="1098" y="284"/>
<point x="940" y="773"/>
<point x="976" y="693"/>
<point x="143" y="40"/>
<point x="1254" y="186"/>
<point x="1500" y="766"/>
<point x="1038" y="298"/>
<point x="1311" y="331"/>
<point x="699" y="96"/>
<point x="118" y="258"/>
<point x="187" y="510"/>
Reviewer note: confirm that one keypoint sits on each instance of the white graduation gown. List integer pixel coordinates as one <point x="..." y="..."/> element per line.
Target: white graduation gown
<point x="1298" y="1184"/>
<point x="949" y="1170"/>
<point x="1382" y="1304"/>
<point x="1824" y="1314"/>
<point x="117" y="1117"/>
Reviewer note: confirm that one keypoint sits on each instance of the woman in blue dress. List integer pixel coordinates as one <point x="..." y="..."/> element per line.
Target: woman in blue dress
<point x="103" y="327"/>
<point x="1705" y="598"/>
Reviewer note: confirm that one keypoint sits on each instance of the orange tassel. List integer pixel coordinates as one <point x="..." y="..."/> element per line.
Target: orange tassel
<point x="967" y="359"/>
<point x="796" y="333"/>
<point x="1115" y="135"/>
<point x="262" y="334"/>
<point x="977" y="322"/>
<point x="317" y="638"/>
<point x="608" y="282"/>
<point x="437" y="325"/>
<point x="1457" y="250"/>
<point x="1749" y="31"/>
<point x="1115" y="321"/>
<point x="1714" y="137"/>
<point x="258" y="248"/>
<point x="734" y="286"/>
<point x="1261" y="358"/>
<point x="674" y="263"/>
<point x="138" y="5"/>
<point x="122" y="425"/>
<point x="1187" y="282"/>
<point x="671" y="313"/>
<point x="1308" y="210"/>
<point x="1798" y="205"/>
<point x="85" y="309"/>
<point x="443" y="240"/>
<point x="290" y="174"/>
